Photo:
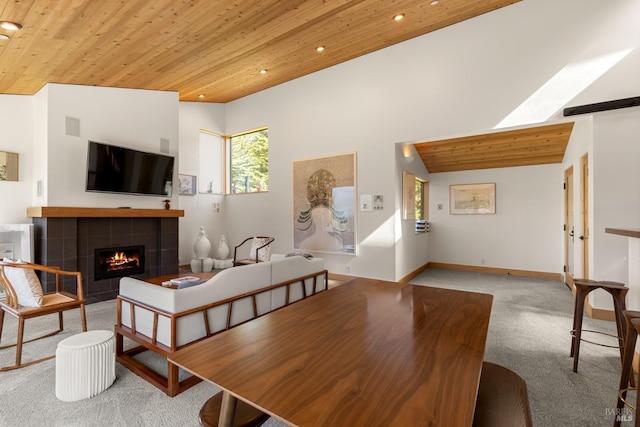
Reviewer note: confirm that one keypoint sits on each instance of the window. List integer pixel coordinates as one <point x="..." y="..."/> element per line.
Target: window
<point x="422" y="199"/>
<point x="415" y="197"/>
<point x="249" y="161"/>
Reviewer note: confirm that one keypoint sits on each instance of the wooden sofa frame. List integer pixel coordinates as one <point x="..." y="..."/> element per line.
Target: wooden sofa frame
<point x="171" y="385"/>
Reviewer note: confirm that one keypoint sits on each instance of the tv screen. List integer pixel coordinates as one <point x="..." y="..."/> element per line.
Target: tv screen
<point x="115" y="169"/>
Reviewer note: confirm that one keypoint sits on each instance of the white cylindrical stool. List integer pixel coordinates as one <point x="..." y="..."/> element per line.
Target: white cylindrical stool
<point x="85" y="365"/>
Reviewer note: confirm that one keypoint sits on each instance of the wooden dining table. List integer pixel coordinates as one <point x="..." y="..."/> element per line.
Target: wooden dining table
<point x="365" y="353"/>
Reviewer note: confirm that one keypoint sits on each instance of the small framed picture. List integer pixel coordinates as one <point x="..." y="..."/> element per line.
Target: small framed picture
<point x="187" y="185"/>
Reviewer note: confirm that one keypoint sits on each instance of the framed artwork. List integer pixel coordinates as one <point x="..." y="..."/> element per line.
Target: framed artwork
<point x="324" y="204"/>
<point x="472" y="199"/>
<point x="8" y="166"/>
<point x="187" y="185"/>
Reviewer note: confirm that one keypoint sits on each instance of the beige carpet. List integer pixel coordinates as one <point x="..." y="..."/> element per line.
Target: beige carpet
<point x="27" y="395"/>
<point x="528" y="332"/>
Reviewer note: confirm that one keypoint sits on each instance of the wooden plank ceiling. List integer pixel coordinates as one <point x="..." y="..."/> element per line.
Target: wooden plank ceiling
<point x="522" y="147"/>
<point x="211" y="47"/>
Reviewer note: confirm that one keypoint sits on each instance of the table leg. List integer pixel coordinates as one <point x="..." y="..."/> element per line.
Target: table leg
<point x="227" y="409"/>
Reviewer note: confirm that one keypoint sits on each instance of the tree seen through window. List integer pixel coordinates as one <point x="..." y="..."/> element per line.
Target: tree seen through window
<point x="249" y="162"/>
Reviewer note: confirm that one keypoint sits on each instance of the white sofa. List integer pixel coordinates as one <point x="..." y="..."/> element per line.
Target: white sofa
<point x="163" y="320"/>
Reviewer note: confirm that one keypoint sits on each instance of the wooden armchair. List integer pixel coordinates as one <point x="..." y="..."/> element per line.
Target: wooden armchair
<point x="259" y="250"/>
<point x="52" y="302"/>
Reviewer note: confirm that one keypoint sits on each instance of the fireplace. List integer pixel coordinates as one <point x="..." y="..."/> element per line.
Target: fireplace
<point x="68" y="237"/>
<point x="118" y="261"/>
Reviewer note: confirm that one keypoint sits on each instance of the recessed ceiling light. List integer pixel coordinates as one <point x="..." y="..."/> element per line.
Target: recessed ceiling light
<point x="319" y="48"/>
<point x="398" y="17"/>
<point x="435" y="2"/>
<point x="201" y="96"/>
<point x="4" y="37"/>
<point x="263" y="71"/>
<point x="11" y="26"/>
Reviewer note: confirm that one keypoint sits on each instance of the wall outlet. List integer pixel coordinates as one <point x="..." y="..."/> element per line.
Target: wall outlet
<point x="348" y="269"/>
<point x="439" y="206"/>
<point x="482" y="261"/>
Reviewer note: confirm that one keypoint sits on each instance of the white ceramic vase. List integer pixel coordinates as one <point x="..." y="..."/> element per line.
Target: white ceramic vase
<point x="223" y="249"/>
<point x="203" y="265"/>
<point x="202" y="246"/>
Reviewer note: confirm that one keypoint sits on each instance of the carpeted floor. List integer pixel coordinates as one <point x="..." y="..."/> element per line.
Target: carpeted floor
<point x="529" y="333"/>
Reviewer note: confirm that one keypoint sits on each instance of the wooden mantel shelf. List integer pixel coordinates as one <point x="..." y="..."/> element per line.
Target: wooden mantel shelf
<point x="71" y="212"/>
<point x="629" y="232"/>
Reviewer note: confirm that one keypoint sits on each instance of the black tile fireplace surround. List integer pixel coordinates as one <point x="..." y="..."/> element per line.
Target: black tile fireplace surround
<point x="70" y="243"/>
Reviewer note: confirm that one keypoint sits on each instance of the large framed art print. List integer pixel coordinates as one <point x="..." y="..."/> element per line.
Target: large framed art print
<point x="324" y="204"/>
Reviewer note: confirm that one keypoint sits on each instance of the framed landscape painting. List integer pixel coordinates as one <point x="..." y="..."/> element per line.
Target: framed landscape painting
<point x="472" y="199"/>
<point x="324" y="204"/>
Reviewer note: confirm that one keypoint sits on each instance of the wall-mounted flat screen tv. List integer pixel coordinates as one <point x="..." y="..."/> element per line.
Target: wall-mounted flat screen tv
<point x="114" y="169"/>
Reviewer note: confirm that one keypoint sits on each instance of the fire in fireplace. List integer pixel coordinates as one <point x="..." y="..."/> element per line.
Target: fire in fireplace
<point x="118" y="262"/>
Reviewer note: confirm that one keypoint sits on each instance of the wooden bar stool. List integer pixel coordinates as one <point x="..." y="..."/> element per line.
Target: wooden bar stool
<point x="626" y="376"/>
<point x="583" y="287"/>
<point x="246" y="415"/>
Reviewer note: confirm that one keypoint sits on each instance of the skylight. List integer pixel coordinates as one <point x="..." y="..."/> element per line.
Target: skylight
<point x="562" y="88"/>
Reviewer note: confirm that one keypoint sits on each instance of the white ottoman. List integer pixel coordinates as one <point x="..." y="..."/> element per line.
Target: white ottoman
<point x="85" y="365"/>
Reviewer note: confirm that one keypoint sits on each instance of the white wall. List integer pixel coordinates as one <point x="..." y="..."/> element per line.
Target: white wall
<point x="131" y="118"/>
<point x="616" y="177"/>
<point x="323" y="114"/>
<point x="40" y="161"/>
<point x="616" y="194"/>
<point x="199" y="208"/>
<point x="16" y="122"/>
<point x="610" y="139"/>
<point x="412" y="249"/>
<point x="523" y="234"/>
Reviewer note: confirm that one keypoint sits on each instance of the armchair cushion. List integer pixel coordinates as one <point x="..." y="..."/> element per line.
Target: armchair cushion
<point x="26" y="284"/>
<point x="263" y="254"/>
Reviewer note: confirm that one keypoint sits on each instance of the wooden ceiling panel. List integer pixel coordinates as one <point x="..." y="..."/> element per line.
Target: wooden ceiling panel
<point x="215" y="47"/>
<point x="521" y="147"/>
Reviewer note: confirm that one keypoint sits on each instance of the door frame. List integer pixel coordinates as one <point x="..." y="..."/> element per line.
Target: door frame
<point x="568" y="222"/>
<point x="584" y="210"/>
